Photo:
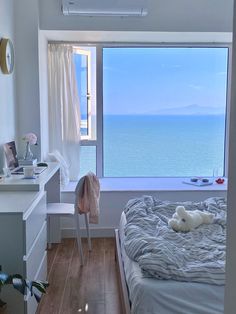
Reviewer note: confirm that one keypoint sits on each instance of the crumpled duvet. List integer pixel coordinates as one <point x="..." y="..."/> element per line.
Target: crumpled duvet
<point x="196" y="256"/>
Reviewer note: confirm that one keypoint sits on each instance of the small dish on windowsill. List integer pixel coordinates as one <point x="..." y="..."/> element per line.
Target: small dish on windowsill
<point x="198" y="181"/>
<point x="220" y="181"/>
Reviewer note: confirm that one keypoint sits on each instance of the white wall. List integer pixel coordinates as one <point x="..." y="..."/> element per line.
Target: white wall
<point x="27" y="71"/>
<point x="7" y="87"/>
<point x="230" y="290"/>
<point x="43" y="83"/>
<point x="164" y="15"/>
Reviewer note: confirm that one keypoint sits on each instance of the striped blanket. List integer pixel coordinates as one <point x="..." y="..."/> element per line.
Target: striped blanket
<point x="197" y="256"/>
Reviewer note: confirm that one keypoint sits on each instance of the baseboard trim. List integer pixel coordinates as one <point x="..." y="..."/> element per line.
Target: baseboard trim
<point x="94" y="232"/>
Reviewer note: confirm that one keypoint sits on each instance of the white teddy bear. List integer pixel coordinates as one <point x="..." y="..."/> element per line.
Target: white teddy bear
<point x="187" y="220"/>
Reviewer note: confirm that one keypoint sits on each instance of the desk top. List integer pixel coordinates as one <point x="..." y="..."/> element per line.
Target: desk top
<point x="17" y="182"/>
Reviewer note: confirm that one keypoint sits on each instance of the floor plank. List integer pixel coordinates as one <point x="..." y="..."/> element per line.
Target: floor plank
<point x="92" y="288"/>
<point x="51" y="254"/>
<point x="110" y="267"/>
<point x="51" y="302"/>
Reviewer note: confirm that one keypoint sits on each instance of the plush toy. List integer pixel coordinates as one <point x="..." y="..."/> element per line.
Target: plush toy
<point x="187" y="220"/>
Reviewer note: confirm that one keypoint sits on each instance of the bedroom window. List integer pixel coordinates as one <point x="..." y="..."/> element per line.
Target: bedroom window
<point x="164" y="111"/>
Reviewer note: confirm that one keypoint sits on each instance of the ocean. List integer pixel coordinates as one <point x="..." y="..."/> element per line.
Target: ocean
<point x="163" y="146"/>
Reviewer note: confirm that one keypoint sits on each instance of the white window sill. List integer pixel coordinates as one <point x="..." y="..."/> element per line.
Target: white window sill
<point x="148" y="184"/>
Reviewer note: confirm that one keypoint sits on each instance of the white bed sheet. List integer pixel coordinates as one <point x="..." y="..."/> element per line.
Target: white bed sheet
<point x="150" y="295"/>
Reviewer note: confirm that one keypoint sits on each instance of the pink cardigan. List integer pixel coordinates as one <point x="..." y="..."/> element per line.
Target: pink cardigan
<point x="87" y="197"/>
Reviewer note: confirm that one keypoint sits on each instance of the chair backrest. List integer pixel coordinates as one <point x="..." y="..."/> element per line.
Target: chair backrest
<point x="87" y="194"/>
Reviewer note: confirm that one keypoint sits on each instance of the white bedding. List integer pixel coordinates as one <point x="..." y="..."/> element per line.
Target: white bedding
<point x="196" y="256"/>
<point x="150" y="295"/>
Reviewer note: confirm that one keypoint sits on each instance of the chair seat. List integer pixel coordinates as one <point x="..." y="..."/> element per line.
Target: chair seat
<point x="60" y="209"/>
<point x="67" y="209"/>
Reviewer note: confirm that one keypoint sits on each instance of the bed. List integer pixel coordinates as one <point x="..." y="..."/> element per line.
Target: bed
<point x="144" y="294"/>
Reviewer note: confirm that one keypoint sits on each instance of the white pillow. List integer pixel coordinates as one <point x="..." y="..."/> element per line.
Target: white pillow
<point x="64" y="168"/>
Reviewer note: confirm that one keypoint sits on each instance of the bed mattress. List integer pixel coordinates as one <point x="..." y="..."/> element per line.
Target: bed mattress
<point x="150" y="295"/>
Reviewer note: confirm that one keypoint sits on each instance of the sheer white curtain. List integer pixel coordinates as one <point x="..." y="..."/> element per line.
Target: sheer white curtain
<point x="64" y="107"/>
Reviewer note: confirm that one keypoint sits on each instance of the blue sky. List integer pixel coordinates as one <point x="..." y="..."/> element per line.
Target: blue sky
<point x="158" y="80"/>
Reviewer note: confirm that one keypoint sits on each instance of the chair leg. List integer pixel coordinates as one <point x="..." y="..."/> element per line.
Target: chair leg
<point x="78" y="236"/>
<point x="88" y="232"/>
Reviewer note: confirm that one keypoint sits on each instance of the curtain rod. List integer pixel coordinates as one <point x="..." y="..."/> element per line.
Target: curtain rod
<point x="130" y="44"/>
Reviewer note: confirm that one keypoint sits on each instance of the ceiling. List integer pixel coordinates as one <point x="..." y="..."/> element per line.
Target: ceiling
<point x="163" y="16"/>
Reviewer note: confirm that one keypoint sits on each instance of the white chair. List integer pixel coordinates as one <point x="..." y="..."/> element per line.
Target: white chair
<point x="65" y="210"/>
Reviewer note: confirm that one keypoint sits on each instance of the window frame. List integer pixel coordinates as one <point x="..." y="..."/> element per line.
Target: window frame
<point x="87" y="53"/>
<point x="99" y="93"/>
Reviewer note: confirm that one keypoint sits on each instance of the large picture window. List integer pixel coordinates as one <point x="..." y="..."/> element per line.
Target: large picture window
<point x="164" y="111"/>
<point x="152" y="111"/>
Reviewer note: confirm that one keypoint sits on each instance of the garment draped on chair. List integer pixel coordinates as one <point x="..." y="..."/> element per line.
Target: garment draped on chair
<point x="87" y="197"/>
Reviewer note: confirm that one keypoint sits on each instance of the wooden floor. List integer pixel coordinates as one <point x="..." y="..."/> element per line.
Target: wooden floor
<point x="92" y="288"/>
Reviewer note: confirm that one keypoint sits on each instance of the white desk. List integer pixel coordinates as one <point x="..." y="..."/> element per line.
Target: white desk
<point x="23" y="231"/>
<point x="17" y="182"/>
<point x="49" y="181"/>
<point x="23" y="241"/>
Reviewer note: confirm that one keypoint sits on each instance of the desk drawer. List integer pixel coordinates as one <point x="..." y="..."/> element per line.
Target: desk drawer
<point x="36" y="254"/>
<point x="34" y="222"/>
<point x="30" y="302"/>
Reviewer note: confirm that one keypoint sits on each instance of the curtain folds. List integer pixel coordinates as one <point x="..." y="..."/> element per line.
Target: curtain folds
<point x="64" y="106"/>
